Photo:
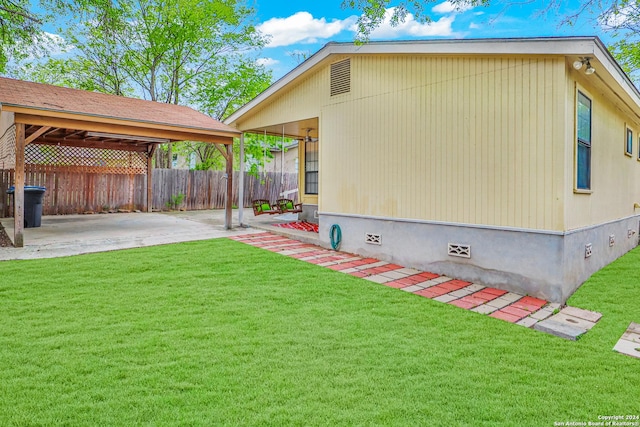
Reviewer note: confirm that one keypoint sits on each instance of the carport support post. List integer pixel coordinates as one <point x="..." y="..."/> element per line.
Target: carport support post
<point x="228" y="205"/>
<point x="18" y="194"/>
<point x="151" y="149"/>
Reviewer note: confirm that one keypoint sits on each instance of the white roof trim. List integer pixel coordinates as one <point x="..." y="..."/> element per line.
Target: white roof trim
<point x="575" y="46"/>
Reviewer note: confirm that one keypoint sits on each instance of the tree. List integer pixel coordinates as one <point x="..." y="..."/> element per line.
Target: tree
<point x="188" y="52"/>
<point x="373" y="12"/>
<point x="623" y="18"/>
<point x="18" y="27"/>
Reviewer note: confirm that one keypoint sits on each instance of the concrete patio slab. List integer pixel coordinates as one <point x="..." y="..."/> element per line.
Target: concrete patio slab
<point x="629" y="343"/>
<point x="631" y="336"/>
<point x="573" y="321"/>
<point x="590" y="316"/>
<point x="65" y="235"/>
<point x="565" y="325"/>
<point x="559" y="329"/>
<point x="627" y="347"/>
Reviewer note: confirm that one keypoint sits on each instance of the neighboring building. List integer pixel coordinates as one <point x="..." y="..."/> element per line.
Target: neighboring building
<point x="507" y="162"/>
<point x="284" y="160"/>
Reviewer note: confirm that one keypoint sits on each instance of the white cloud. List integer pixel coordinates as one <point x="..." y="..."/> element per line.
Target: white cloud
<point x="301" y="27"/>
<point x="474" y="26"/>
<point x="618" y="17"/>
<point x="46" y="44"/>
<point x="411" y="27"/>
<point x="448" y="7"/>
<point x="56" y="44"/>
<point x="267" y="62"/>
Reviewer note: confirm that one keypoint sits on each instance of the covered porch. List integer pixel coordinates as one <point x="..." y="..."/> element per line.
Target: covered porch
<point x="306" y="133"/>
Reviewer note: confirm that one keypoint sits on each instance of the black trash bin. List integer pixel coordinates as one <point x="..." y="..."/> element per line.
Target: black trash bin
<point x="33" y="196"/>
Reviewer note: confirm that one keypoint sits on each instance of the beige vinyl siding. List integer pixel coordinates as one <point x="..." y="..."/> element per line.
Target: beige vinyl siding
<point x="452" y="139"/>
<point x="615" y="177"/>
<point x="302" y="100"/>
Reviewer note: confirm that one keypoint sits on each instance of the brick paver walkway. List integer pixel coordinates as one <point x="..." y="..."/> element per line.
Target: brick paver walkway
<point x="508" y="306"/>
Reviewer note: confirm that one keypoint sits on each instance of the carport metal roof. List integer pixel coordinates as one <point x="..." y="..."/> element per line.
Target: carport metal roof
<point x="53" y="115"/>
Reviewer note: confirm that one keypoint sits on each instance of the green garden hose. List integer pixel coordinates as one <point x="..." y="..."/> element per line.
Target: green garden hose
<point x="335" y="235"/>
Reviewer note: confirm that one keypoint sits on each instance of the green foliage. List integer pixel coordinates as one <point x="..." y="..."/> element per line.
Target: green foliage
<point x="163" y="50"/>
<point x="238" y="81"/>
<point x="372" y="13"/>
<point x="189" y="52"/>
<point x="175" y="201"/>
<point x="156" y="336"/>
<point x="627" y="53"/>
<point x="257" y="153"/>
<point x="257" y="150"/>
<point x="19" y="30"/>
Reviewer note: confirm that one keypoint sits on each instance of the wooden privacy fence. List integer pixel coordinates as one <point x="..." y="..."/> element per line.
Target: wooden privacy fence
<point x="207" y="189"/>
<point x="71" y="192"/>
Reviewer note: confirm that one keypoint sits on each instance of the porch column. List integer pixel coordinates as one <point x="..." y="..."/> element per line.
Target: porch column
<point x="241" y="183"/>
<point x="18" y="195"/>
<point x="229" y="202"/>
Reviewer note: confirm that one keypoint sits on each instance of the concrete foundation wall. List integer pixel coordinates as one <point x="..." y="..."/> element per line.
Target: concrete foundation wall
<point x="548" y="265"/>
<point x="579" y="268"/>
<point x="309" y="213"/>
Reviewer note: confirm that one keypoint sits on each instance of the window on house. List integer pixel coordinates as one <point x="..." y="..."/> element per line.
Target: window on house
<point x="629" y="147"/>
<point x="311" y="167"/>
<point x="583" y="161"/>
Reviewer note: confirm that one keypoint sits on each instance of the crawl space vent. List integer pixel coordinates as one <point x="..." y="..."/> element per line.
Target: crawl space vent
<point x="373" y="238"/>
<point x="588" y="250"/>
<point x="455" y="249"/>
<point x="341" y="77"/>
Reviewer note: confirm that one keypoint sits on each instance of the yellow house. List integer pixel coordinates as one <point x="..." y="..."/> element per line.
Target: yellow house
<point x="510" y="162"/>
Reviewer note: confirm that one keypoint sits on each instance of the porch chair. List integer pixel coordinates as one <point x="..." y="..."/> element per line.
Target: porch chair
<point x="263" y="206"/>
<point x="287" y="206"/>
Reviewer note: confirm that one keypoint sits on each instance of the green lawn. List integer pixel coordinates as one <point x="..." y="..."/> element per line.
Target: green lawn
<point x="218" y="332"/>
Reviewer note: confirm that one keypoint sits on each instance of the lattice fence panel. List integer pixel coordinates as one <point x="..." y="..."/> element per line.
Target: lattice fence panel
<point x="88" y="160"/>
<point x="8" y="149"/>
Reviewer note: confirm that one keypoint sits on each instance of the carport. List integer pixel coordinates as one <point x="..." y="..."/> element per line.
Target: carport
<point x="48" y="126"/>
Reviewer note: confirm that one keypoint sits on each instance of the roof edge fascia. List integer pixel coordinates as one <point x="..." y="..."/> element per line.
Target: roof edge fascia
<point x="53" y="113"/>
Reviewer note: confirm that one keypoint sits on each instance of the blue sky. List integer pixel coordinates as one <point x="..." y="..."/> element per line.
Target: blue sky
<point x="306" y="26"/>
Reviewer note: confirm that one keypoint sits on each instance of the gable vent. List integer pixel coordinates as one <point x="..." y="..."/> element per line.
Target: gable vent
<point x="341" y="77"/>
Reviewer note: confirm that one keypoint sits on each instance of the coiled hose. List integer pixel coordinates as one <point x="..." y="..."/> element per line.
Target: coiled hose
<point x="335" y="235"/>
